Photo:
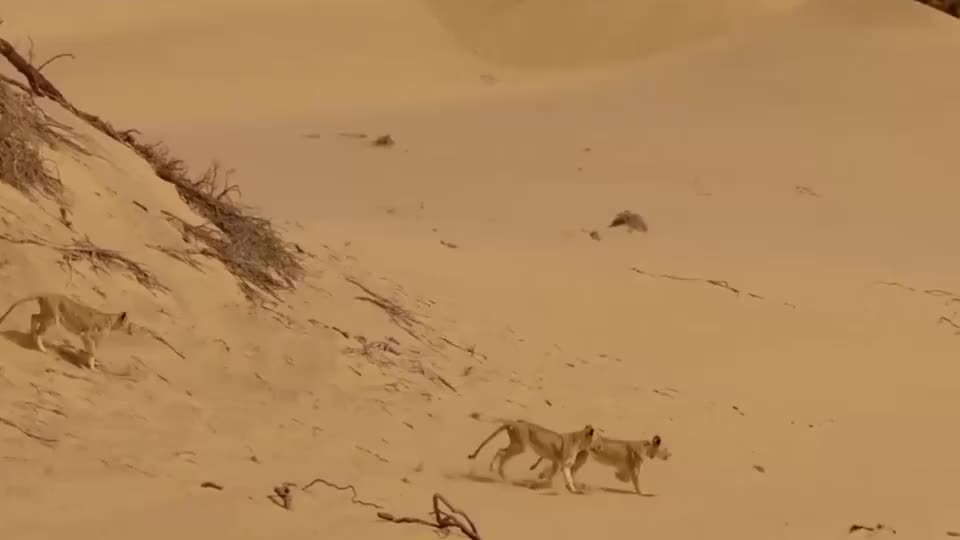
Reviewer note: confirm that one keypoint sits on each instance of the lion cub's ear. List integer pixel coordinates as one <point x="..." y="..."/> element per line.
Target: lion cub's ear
<point x="656" y="440"/>
<point x="123" y="316"/>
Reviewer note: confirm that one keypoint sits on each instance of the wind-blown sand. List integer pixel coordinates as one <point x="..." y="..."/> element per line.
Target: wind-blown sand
<point x="800" y="152"/>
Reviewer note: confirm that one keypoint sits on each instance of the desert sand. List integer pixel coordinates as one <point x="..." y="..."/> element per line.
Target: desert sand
<point x="786" y="324"/>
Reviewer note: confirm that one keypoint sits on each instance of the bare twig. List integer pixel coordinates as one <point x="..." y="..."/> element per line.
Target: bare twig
<point x="879" y="527"/>
<point x="39" y="84"/>
<point x="212" y="485"/>
<point x="55" y="57"/>
<point x="399" y="315"/>
<point x="159" y="338"/>
<point x="28" y="433"/>
<point x="355" y="499"/>
<point x="948" y="320"/>
<point x="16" y="83"/>
<point x="931" y="292"/>
<point x="186" y="256"/>
<point x="715" y="282"/>
<point x="471" y="350"/>
<point x="444" y="518"/>
<point x="97" y="256"/>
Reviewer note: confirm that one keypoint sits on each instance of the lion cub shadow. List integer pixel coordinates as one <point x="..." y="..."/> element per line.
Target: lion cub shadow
<point x="65" y="351"/>
<point x="620" y="491"/>
<point x="492" y="479"/>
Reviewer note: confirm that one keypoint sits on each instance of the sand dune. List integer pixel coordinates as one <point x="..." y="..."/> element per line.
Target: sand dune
<point x="784" y="325"/>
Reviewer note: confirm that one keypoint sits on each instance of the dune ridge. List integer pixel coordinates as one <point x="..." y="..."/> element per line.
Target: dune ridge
<point x="787" y="322"/>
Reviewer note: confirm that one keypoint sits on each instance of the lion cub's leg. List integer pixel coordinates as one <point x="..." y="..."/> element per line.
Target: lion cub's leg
<point x="569" y="468"/>
<point x="547" y="474"/>
<point x="90" y="347"/>
<point x="630" y="471"/>
<point x="568" y="476"/>
<point x="516" y="447"/>
<point x="40" y="322"/>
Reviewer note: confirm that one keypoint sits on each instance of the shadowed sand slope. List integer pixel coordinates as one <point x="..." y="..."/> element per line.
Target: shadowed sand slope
<point x="786" y="324"/>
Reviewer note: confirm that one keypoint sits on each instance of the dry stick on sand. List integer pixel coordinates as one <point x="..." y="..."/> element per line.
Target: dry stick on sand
<point x="97" y="256"/>
<point x="159" y="338"/>
<point x="285" y="492"/>
<point x="715" y="282"/>
<point x="443" y="518"/>
<point x="399" y="315"/>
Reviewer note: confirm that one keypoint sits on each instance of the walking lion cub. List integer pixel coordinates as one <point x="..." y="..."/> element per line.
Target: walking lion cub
<point x="89" y="324"/>
<point x="625" y="456"/>
<point x="561" y="449"/>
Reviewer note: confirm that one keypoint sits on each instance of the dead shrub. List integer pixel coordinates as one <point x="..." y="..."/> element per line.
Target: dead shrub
<point x="24" y="130"/>
<point x="246" y="244"/>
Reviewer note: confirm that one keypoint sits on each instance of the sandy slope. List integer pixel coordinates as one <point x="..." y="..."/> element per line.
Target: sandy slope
<point x="520" y="125"/>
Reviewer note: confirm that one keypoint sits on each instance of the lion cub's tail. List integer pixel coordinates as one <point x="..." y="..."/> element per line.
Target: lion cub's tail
<point x="17" y="303"/>
<point x="482" y="417"/>
<point x="504" y="425"/>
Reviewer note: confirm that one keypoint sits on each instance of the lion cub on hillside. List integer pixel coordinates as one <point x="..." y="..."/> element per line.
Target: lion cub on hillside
<point x="625" y="456"/>
<point x="561" y="449"/>
<point x="89" y="324"/>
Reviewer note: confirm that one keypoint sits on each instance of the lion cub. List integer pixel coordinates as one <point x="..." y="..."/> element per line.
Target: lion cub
<point x="625" y="456"/>
<point x="84" y="321"/>
<point x="561" y="449"/>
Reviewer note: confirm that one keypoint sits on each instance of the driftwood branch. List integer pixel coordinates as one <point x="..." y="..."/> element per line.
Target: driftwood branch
<point x="39" y="85"/>
<point x="444" y="518"/>
<point x="285" y="492"/>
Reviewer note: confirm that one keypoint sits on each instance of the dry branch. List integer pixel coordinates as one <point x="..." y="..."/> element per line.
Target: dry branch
<point x="39" y="84"/>
<point x="159" y="338"/>
<point x="399" y="315"/>
<point x="355" y="499"/>
<point x="99" y="258"/>
<point x="285" y="493"/>
<point x="948" y="320"/>
<point x="714" y="282"/>
<point x="185" y="256"/>
<point x="444" y="518"/>
<point x="54" y="58"/>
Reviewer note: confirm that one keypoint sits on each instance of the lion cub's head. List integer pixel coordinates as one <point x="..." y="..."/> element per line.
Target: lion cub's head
<point x="655" y="449"/>
<point x="122" y="322"/>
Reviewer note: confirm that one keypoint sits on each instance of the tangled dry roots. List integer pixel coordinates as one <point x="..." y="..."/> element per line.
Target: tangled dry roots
<point x="24" y="130"/>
